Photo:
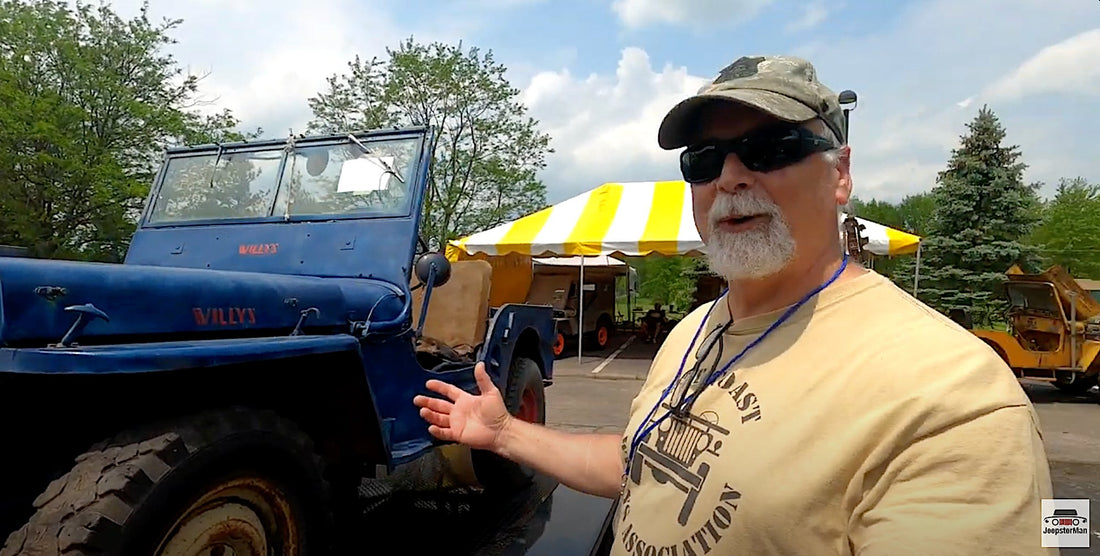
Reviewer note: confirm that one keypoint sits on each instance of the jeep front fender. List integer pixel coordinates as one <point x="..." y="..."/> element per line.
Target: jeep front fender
<point x="169" y="356"/>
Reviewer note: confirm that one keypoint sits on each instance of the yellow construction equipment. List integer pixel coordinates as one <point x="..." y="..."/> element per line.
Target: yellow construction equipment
<point x="1054" y="329"/>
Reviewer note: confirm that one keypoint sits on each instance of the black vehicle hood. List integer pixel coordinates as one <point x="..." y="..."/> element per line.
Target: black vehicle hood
<point x="546" y="519"/>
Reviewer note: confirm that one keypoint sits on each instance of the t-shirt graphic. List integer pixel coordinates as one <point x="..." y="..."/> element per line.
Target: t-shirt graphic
<point x="670" y="453"/>
<point x="673" y="458"/>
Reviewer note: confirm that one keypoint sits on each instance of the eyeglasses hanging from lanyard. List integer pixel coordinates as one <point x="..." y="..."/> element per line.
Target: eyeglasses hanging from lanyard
<point x="710" y="342"/>
<point x="687" y="401"/>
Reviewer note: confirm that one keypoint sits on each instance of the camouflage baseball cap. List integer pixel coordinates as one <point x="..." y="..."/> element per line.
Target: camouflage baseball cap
<point x="784" y="86"/>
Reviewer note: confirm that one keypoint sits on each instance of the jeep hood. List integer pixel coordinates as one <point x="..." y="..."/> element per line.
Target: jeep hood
<point x="147" y="303"/>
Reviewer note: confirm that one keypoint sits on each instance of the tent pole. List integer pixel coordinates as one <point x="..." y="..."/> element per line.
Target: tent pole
<point x="916" y="271"/>
<point x="580" y="309"/>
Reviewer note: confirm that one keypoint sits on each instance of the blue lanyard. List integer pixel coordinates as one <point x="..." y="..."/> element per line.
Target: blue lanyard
<point x="643" y="430"/>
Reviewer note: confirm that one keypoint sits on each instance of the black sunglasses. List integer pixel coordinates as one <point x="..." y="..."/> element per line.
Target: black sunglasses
<point x="762" y="150"/>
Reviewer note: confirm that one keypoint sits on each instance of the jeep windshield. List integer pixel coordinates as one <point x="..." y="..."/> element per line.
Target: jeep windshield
<point x="360" y="178"/>
<point x="1033" y="298"/>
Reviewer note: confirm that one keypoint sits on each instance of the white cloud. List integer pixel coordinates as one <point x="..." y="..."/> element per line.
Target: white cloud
<point x="911" y="73"/>
<point x="604" y="128"/>
<point x="910" y="80"/>
<point x="640" y="13"/>
<point x="891" y="181"/>
<point x="813" y="14"/>
<point x="494" y="4"/>
<point x="264" y="59"/>
<point x="1069" y="66"/>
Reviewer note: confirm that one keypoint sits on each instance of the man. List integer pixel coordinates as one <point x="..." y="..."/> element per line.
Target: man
<point x="815" y="408"/>
<point x="653" y="322"/>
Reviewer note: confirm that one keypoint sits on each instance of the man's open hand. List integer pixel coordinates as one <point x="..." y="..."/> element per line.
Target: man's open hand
<point x="473" y="420"/>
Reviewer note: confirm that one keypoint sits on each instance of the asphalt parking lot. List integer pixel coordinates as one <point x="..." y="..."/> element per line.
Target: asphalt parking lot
<point x="594" y="395"/>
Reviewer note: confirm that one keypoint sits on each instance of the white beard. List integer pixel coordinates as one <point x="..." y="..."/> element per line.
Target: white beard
<point x="752" y="254"/>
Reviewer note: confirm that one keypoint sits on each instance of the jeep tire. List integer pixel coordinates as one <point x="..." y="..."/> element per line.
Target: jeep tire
<point x="240" y="479"/>
<point x="526" y="399"/>
<point x="1076" y="383"/>
<point x="605" y="327"/>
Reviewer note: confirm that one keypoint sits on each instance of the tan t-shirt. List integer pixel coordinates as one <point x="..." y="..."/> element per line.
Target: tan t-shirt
<point x="866" y="424"/>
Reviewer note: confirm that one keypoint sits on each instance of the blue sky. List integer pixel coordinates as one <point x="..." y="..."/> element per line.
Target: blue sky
<point x="599" y="74"/>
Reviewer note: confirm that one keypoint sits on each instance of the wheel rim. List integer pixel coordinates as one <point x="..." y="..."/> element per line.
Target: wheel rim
<point x="559" y="344"/>
<point x="240" y="517"/>
<point x="601" y="336"/>
<point x="528" y="407"/>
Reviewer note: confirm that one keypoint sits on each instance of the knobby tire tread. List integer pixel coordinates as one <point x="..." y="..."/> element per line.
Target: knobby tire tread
<point x="83" y="512"/>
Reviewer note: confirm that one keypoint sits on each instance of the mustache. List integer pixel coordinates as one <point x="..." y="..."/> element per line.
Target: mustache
<point x="726" y="206"/>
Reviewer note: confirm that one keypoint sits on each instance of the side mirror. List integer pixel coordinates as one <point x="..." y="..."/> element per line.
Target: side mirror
<point x="442" y="267"/>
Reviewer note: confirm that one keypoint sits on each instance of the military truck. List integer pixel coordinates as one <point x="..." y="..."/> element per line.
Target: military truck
<point x="1054" y="329"/>
<point x="554" y="282"/>
<point x="227" y="388"/>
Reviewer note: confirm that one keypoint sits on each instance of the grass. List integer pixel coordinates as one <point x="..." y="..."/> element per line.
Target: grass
<point x="621" y="307"/>
<point x="998" y="326"/>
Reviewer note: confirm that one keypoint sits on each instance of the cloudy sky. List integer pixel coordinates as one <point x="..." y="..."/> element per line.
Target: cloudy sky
<point x="599" y="74"/>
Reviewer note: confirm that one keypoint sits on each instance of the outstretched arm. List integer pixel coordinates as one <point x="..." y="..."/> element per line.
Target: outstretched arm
<point x="586" y="462"/>
<point x="589" y="463"/>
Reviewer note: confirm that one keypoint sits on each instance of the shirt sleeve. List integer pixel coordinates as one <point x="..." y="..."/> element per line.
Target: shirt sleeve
<point x="972" y="488"/>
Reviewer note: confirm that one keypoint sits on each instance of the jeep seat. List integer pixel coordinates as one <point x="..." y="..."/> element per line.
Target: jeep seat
<point x="458" y="312"/>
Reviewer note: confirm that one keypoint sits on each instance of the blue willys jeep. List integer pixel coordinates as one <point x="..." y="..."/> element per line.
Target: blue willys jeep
<point x="226" y="388"/>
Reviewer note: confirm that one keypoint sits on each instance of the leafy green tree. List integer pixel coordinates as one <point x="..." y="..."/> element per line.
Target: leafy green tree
<point x="983" y="209"/>
<point x="487" y="151"/>
<point x="88" y="102"/>
<point x="1069" y="233"/>
<point x="883" y="212"/>
<point x="670" y="280"/>
<point x="915" y="213"/>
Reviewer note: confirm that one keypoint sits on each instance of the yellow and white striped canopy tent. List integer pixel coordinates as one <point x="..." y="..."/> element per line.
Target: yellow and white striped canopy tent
<point x="631" y="219"/>
<point x="884" y="240"/>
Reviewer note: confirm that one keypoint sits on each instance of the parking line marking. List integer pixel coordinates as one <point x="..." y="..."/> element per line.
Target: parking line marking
<point x="613" y="355"/>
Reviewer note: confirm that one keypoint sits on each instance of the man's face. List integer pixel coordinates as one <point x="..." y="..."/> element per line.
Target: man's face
<point x="792" y="211"/>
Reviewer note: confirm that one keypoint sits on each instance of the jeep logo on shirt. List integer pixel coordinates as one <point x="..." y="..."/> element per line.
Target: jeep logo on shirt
<point x="671" y="458"/>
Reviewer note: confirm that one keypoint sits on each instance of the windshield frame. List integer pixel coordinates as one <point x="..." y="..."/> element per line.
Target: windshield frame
<point x="1018" y="288"/>
<point x="414" y="182"/>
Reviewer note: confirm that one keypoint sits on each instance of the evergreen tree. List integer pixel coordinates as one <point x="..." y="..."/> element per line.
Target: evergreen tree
<point x="983" y="209"/>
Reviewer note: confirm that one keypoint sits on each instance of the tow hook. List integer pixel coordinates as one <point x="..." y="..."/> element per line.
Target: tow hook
<point x="85" y="314"/>
<point x="302" y="319"/>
